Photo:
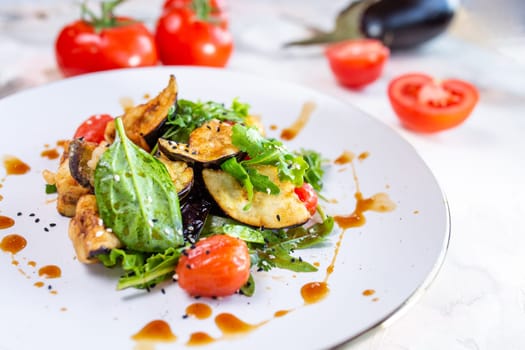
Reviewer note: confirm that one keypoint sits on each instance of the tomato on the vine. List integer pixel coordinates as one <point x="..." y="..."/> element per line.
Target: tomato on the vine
<point x="308" y="196"/>
<point x="185" y="36"/>
<point x="215" y="266"/>
<point x="93" y="128"/>
<point x="356" y="63"/>
<point x="109" y="42"/>
<point x="425" y="104"/>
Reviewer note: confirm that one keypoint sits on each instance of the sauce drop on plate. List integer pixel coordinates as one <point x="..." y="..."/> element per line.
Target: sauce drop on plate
<point x="200" y="338"/>
<point x="314" y="291"/>
<point x="6" y="222"/>
<point x="292" y="131"/>
<point x="15" y="166"/>
<point x="156" y="330"/>
<point x="231" y="325"/>
<point x="13" y="243"/>
<point x="200" y="311"/>
<point x="50" y="271"/>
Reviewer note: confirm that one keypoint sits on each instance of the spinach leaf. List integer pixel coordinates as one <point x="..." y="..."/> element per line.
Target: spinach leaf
<point x="218" y="224"/>
<point x="136" y="197"/>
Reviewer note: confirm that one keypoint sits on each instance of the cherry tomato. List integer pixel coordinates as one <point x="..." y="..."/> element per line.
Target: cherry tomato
<point x="108" y="42"/>
<point x="356" y="63"/>
<point x="308" y="196"/>
<point x="216" y="266"/>
<point x="427" y="105"/>
<point x="92" y="129"/>
<point x="182" y="38"/>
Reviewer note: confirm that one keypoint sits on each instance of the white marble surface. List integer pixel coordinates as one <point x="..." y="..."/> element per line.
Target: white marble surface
<point x="477" y="301"/>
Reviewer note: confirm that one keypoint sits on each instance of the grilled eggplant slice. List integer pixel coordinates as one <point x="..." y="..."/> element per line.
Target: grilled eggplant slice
<point x="210" y="144"/>
<point x="270" y="211"/>
<point x="68" y="189"/>
<point x="87" y="232"/>
<point x="144" y="123"/>
<point x="180" y="173"/>
<point x="83" y="159"/>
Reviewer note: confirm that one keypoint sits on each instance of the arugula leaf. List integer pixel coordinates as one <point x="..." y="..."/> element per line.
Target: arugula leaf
<point x="190" y="115"/>
<point x="277" y="252"/>
<point x="136" y="197"/>
<point x="263" y="151"/>
<point x="142" y="271"/>
<point x="218" y="224"/>
<point x="315" y="172"/>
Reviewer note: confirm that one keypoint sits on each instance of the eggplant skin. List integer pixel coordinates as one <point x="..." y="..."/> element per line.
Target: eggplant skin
<point x="266" y="210"/>
<point x="143" y="122"/>
<point x="69" y="190"/>
<point x="210" y="144"/>
<point x="402" y="24"/>
<point x="87" y="231"/>
<point x="180" y="173"/>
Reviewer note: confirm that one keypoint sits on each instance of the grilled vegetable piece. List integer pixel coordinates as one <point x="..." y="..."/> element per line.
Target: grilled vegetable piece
<point x="143" y="123"/>
<point x="68" y="189"/>
<point x="180" y="173"/>
<point x="87" y="232"/>
<point x="83" y="159"/>
<point x="266" y="210"/>
<point x="209" y="144"/>
<point x="195" y="210"/>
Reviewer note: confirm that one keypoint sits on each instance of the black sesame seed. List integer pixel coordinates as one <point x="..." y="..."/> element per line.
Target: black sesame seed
<point x="32" y="214"/>
<point x="188" y="266"/>
<point x="193" y="246"/>
<point x="207" y="252"/>
<point x="46" y="229"/>
<point x="278" y="217"/>
<point x="292" y="260"/>
<point x="52" y="224"/>
<point x="185" y="316"/>
<point x="49" y="287"/>
<point x="163" y="291"/>
<point x="19" y="214"/>
<point x="37" y="220"/>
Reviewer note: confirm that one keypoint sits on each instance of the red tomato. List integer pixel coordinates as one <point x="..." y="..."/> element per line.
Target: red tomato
<point x="82" y="48"/>
<point x="216" y="266"/>
<point x="308" y="196"/>
<point x="356" y="63"/>
<point x="183" y="39"/>
<point x="92" y="129"/>
<point x="216" y="5"/>
<point x="427" y="105"/>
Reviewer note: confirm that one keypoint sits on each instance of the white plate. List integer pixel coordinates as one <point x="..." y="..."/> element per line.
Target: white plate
<point x="396" y="254"/>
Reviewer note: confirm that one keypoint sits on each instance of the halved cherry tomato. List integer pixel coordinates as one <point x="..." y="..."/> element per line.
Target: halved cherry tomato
<point x="108" y="42"/>
<point x="356" y="63"/>
<point x="215" y="266"/>
<point x="184" y="38"/>
<point x="308" y="196"/>
<point x="92" y="129"/>
<point x="428" y="105"/>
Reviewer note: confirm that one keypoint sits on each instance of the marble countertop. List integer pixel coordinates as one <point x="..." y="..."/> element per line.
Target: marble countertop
<point x="478" y="299"/>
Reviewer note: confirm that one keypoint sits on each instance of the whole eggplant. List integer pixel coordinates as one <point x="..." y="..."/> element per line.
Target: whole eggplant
<point x="399" y="24"/>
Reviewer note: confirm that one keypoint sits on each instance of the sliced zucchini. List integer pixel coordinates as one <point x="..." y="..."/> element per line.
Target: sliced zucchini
<point x="270" y="211"/>
<point x="210" y="144"/>
<point x="143" y="123"/>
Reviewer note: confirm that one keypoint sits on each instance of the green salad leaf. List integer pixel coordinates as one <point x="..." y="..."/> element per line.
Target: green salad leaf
<point x="190" y="115"/>
<point x="315" y="172"/>
<point x="142" y="270"/>
<point x="263" y="151"/>
<point x="136" y="197"/>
